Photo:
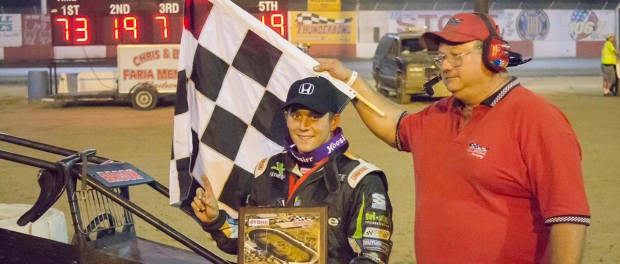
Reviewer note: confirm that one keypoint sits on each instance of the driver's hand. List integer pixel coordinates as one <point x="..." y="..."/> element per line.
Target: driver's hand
<point x="205" y="203"/>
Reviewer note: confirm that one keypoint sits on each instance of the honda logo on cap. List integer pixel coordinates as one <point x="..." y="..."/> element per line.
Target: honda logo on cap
<point x="306" y="88"/>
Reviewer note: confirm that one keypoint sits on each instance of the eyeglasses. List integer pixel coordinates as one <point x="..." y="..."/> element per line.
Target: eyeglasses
<point x="455" y="60"/>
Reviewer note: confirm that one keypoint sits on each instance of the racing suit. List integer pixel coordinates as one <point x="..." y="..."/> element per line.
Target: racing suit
<point x="355" y="192"/>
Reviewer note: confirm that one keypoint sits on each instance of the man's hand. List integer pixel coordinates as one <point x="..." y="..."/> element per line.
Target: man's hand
<point x="382" y="125"/>
<point x="205" y="204"/>
<point x="334" y="67"/>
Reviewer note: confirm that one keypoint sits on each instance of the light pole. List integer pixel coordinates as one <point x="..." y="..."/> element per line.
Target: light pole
<point x="481" y="6"/>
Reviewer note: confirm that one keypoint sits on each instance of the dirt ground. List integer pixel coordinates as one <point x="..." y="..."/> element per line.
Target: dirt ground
<point x="144" y="140"/>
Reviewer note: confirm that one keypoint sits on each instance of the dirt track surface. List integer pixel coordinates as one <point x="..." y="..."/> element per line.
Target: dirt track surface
<point x="144" y="140"/>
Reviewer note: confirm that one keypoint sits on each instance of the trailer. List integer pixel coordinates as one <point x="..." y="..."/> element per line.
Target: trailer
<point x="146" y="75"/>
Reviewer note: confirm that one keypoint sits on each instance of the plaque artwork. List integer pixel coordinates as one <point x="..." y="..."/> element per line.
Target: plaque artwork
<point x="282" y="235"/>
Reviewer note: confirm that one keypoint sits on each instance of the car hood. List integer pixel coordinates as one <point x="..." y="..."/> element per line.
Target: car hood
<point x="421" y="57"/>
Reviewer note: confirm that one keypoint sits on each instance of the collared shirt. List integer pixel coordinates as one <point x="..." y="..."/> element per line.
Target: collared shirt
<point x="486" y="193"/>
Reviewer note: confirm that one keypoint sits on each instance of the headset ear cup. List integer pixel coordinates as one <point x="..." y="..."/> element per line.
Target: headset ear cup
<point x="485" y="54"/>
<point x="494" y="49"/>
<point x="495" y="52"/>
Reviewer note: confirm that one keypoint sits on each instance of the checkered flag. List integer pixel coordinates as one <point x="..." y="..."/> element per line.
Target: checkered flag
<point x="234" y="75"/>
<point x="312" y="18"/>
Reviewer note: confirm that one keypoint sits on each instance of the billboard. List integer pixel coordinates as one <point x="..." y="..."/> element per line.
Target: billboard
<point x="323" y="27"/>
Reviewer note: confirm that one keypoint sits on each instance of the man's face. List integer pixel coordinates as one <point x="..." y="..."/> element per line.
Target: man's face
<point x="461" y="68"/>
<point x="310" y="130"/>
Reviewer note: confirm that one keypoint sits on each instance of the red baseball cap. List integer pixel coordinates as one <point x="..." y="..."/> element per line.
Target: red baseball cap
<point x="461" y="28"/>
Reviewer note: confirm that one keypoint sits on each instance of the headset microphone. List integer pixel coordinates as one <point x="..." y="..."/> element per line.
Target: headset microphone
<point x="428" y="86"/>
<point x="516" y="59"/>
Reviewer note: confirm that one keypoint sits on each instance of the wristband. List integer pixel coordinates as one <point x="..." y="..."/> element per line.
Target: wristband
<point x="216" y="224"/>
<point x="352" y="79"/>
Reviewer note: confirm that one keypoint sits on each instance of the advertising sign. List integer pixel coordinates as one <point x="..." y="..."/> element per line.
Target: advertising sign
<point x="324" y="5"/>
<point x="37" y="30"/>
<point x="10" y="30"/>
<point x="561" y="25"/>
<point x="155" y="65"/>
<point x="323" y="27"/>
<point x="521" y="24"/>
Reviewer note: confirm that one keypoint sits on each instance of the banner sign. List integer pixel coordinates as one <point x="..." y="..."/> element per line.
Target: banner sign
<point x="521" y="24"/>
<point x="324" y="5"/>
<point x="323" y="27"/>
<point x="559" y="25"/>
<point x="10" y="30"/>
<point x="37" y="30"/>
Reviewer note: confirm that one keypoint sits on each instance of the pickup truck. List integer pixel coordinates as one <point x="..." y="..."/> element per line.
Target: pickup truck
<point x="401" y="67"/>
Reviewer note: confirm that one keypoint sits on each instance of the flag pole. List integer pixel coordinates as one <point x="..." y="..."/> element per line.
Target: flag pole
<point x="369" y="105"/>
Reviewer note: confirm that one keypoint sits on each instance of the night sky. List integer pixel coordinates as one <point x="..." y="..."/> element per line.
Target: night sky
<point x="19" y="3"/>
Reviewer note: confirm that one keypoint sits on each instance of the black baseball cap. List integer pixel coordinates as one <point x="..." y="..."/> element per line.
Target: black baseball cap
<point x="313" y="93"/>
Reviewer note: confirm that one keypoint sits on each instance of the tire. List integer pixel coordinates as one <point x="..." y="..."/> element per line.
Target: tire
<point x="401" y="96"/>
<point x="378" y="82"/>
<point x="379" y="87"/>
<point x="143" y="98"/>
<point x="384" y="92"/>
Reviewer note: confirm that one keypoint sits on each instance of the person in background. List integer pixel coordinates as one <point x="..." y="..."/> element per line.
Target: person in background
<point x="498" y="175"/>
<point x="315" y="170"/>
<point x="608" y="65"/>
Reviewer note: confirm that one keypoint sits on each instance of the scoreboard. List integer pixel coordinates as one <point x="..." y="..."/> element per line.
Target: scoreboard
<point x="110" y="22"/>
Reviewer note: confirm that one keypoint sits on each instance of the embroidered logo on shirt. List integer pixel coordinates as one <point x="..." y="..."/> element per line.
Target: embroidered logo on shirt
<point x="373" y="232"/>
<point x="376" y="219"/>
<point x="280" y="168"/>
<point x="378" y="201"/>
<point x="477" y="150"/>
<point x="358" y="172"/>
<point x="376" y="245"/>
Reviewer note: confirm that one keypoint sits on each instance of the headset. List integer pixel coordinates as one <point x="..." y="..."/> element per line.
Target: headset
<point x="495" y="50"/>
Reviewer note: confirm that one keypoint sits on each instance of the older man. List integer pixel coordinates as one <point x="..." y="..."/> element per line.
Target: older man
<point x="498" y="175"/>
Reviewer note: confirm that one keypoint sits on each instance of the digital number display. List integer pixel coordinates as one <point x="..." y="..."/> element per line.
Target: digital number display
<point x="272" y="13"/>
<point x="276" y="21"/>
<point x="109" y="22"/>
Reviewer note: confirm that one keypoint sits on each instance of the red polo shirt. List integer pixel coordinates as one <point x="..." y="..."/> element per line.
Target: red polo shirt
<point x="484" y="194"/>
